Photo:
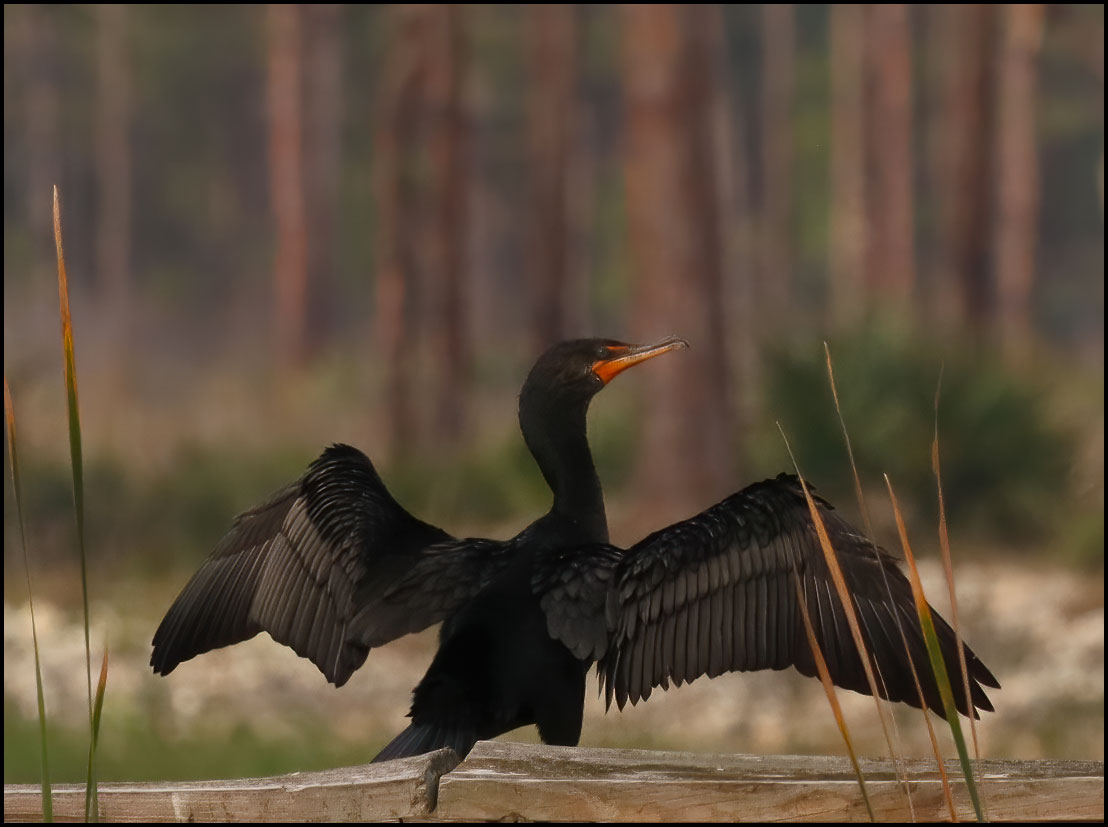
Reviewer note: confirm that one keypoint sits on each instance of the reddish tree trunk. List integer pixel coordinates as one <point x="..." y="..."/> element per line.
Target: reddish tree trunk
<point x="778" y="62"/>
<point x="581" y="188"/>
<point x="448" y="150"/>
<point x="113" y="180"/>
<point x="113" y="127"/>
<point x="551" y="35"/>
<point x="1018" y="174"/>
<point x="891" y="252"/>
<point x="286" y="181"/>
<point x="703" y="83"/>
<point x="322" y="162"/>
<point x="848" y="242"/>
<point x="734" y="313"/>
<point x="963" y="50"/>
<point x="400" y="99"/>
<point x="673" y="224"/>
<point x="43" y="130"/>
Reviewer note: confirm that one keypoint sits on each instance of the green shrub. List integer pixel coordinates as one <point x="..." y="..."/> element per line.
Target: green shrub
<point x="1005" y="464"/>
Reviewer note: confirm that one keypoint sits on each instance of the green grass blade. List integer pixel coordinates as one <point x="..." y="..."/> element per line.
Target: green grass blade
<point x="934" y="652"/>
<point x="74" y="418"/>
<point x="47" y="797"/>
<point x="92" y="803"/>
<point x="948" y="566"/>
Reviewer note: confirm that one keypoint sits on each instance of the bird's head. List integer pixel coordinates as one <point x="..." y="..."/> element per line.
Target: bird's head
<point x="571" y="373"/>
<point x="552" y="410"/>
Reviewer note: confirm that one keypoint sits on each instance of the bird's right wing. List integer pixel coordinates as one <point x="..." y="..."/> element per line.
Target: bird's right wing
<point x="331" y="566"/>
<point x="718" y="593"/>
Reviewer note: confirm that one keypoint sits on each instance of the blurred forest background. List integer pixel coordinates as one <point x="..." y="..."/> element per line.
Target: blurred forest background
<point x="288" y="226"/>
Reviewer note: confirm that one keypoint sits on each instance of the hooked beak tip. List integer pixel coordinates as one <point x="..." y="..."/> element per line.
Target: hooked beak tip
<point x="607" y="369"/>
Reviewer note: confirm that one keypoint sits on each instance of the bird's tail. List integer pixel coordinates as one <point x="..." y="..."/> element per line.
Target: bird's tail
<point x="420" y="738"/>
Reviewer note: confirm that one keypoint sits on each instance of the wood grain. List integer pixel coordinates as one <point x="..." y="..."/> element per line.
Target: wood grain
<point x="503" y="781"/>
<point x="373" y="792"/>
<point x="524" y="782"/>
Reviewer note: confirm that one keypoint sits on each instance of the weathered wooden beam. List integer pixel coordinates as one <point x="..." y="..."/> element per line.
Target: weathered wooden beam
<point x="372" y="792"/>
<point x="501" y="781"/>
<point x="507" y="781"/>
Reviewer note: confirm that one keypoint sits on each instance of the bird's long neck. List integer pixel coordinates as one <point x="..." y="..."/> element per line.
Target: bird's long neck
<point x="557" y="438"/>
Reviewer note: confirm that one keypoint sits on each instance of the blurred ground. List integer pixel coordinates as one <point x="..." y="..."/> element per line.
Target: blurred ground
<point x="1040" y="630"/>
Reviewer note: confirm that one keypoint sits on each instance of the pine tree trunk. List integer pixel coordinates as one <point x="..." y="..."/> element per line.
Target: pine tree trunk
<point x="113" y="209"/>
<point x="1018" y="174"/>
<point x="400" y="100"/>
<point x="448" y="130"/>
<point x="286" y="181"/>
<point x="43" y="127"/>
<point x="323" y="102"/>
<point x="963" y="37"/>
<point x="582" y="187"/>
<point x="778" y="69"/>
<point x="735" y="314"/>
<point x="849" y="226"/>
<point x="891" y="242"/>
<point x="113" y="147"/>
<point x="551" y="38"/>
<point x="673" y="225"/>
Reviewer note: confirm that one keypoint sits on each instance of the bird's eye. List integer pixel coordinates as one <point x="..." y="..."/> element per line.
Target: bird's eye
<point x="601" y="352"/>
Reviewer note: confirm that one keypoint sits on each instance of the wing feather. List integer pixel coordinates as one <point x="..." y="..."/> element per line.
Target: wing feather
<point x="715" y="633"/>
<point x="646" y="681"/>
<point x="717" y="593"/>
<point x="680" y="646"/>
<point x="727" y="626"/>
<point x="322" y="567"/>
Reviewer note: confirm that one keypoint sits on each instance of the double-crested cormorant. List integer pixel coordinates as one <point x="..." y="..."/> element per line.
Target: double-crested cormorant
<point x="333" y="566"/>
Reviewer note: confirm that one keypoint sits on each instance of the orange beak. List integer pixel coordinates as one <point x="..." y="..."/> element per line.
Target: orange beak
<point x="628" y="356"/>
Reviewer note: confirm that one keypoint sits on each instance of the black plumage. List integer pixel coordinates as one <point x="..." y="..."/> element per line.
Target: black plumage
<point x="333" y="566"/>
<point x="756" y="540"/>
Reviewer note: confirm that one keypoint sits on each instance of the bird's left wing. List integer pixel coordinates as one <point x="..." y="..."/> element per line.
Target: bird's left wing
<point x="331" y="566"/>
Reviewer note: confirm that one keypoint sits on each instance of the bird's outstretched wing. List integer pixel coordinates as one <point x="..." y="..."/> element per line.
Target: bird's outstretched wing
<point x="331" y="566"/>
<point x="717" y="593"/>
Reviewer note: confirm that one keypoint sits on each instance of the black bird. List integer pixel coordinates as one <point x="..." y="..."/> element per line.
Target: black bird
<point x="333" y="566"/>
